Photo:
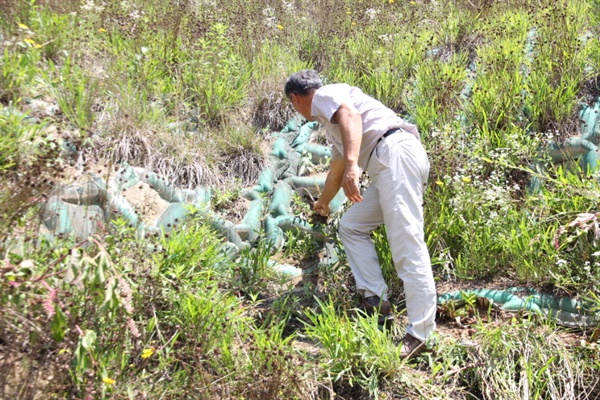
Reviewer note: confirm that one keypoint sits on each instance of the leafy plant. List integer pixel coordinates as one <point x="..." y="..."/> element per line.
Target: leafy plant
<point x="528" y="247"/>
<point x="577" y="253"/>
<point x="252" y="269"/>
<point x="187" y="250"/>
<point x="342" y="341"/>
<point x="18" y="69"/>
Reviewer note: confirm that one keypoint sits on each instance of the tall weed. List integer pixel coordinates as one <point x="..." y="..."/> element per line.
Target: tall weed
<point x="217" y="77"/>
<point x="435" y="99"/>
<point x="495" y="106"/>
<point x="382" y="70"/>
<point x="76" y="93"/>
<point x="18" y="69"/>
<point x="556" y="68"/>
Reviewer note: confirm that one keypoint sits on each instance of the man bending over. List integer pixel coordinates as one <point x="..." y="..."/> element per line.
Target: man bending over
<point x="367" y="135"/>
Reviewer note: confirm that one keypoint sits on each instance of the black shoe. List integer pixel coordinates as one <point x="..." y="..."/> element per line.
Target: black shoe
<point x="374" y="305"/>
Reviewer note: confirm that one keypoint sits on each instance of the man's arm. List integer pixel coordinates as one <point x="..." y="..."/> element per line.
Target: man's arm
<point x="333" y="183"/>
<point x="350" y="122"/>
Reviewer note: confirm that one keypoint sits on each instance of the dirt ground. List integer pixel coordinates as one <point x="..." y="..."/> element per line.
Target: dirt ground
<point x="146" y="201"/>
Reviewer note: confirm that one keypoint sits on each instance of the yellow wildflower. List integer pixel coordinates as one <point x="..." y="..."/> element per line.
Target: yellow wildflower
<point x="439" y="183"/>
<point x="108" y="381"/>
<point x="101" y="30"/>
<point x="23" y="26"/>
<point x="38" y="46"/>
<point x="466" y="179"/>
<point x="30" y="41"/>
<point x="280" y="27"/>
<point x="391" y="1"/>
<point x="147" y="353"/>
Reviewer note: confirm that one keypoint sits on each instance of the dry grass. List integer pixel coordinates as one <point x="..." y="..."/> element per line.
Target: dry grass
<point x="190" y="159"/>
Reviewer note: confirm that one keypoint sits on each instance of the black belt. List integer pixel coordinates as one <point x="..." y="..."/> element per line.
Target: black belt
<point x="390" y="132"/>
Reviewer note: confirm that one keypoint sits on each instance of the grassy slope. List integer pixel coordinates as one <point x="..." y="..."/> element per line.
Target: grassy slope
<point x="192" y="90"/>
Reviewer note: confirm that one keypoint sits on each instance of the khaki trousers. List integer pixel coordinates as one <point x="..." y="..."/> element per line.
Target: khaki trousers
<point x="398" y="170"/>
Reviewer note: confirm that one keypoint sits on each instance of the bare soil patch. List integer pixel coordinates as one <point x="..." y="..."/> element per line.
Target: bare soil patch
<point x="146" y="201"/>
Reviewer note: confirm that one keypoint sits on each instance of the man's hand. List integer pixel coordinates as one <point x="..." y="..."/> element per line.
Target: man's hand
<point x="350" y="181"/>
<point x="322" y="208"/>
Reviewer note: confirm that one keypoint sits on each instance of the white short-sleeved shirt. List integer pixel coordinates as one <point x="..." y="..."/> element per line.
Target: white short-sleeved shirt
<point x="376" y="118"/>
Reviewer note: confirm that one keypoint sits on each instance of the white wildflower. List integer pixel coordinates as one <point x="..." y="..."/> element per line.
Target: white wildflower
<point x="371" y="13"/>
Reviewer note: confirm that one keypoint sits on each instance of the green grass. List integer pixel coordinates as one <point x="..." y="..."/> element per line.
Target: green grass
<point x="193" y="91"/>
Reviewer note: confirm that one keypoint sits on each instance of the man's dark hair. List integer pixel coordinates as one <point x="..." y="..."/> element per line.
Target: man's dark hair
<point x="302" y="82"/>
